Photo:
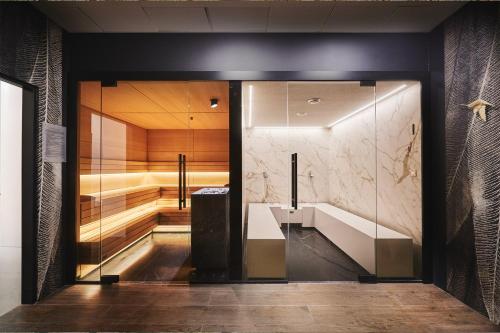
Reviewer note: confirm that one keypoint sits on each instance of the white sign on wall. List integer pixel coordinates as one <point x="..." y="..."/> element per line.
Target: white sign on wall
<point x="54" y="143"/>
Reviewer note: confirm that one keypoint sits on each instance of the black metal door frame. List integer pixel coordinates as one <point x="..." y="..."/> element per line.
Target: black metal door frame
<point x="432" y="189"/>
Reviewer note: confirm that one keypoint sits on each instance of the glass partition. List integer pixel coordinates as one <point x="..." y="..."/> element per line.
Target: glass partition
<point x="144" y="147"/>
<point x="332" y="130"/>
<point x="88" y="221"/>
<point x="399" y="177"/>
<point x="266" y="179"/>
<point x="336" y="165"/>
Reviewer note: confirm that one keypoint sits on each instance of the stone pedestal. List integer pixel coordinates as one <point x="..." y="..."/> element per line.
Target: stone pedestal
<point x="210" y="229"/>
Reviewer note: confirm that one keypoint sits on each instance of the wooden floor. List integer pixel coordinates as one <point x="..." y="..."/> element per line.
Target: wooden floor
<point x="306" y="307"/>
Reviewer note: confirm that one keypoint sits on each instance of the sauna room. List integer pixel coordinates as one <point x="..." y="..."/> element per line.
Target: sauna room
<point x="332" y="180"/>
<point x="144" y="148"/>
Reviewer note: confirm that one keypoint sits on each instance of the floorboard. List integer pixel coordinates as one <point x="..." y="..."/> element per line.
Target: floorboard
<point x="293" y="307"/>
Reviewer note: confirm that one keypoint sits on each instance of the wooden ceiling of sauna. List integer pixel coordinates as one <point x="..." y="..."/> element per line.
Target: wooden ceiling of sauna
<point x="161" y="104"/>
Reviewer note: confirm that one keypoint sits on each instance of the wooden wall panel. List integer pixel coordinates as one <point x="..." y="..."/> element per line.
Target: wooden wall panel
<point x="123" y="141"/>
<point x="90" y="94"/>
<point x="120" y="140"/>
<point x="197" y="145"/>
<point x="166" y="145"/>
<point x="211" y="140"/>
<point x="137" y="143"/>
<point x="89" y="144"/>
<point x="124" y="145"/>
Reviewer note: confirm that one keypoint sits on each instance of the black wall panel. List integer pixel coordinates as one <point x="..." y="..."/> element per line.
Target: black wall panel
<point x="31" y="51"/>
<point x="248" y="57"/>
<point x="249" y="52"/>
<point x="472" y="152"/>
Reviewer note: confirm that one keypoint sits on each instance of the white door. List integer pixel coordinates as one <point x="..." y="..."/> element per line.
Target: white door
<point x="10" y="195"/>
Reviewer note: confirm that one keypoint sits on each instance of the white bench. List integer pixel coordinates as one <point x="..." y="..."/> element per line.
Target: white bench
<point x="266" y="245"/>
<point x="377" y="249"/>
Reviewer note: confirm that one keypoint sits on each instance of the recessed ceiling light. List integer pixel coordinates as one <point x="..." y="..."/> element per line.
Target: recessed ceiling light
<point x="301" y="114"/>
<point x="314" y="100"/>
<point x="214" y="102"/>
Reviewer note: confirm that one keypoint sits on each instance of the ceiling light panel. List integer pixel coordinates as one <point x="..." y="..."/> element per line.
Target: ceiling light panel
<point x="238" y="19"/>
<point x="179" y="19"/>
<point x="298" y="18"/>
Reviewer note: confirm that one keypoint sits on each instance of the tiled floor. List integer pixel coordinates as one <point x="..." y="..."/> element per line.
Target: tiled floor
<point x="158" y="257"/>
<point x="306" y="307"/>
<point x="312" y="257"/>
<point x="164" y="257"/>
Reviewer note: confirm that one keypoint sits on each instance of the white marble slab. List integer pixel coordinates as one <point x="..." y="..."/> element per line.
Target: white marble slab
<point x="399" y="171"/>
<point x="352" y="166"/>
<point x="382" y="185"/>
<point x="267" y="164"/>
<point x="266" y="244"/>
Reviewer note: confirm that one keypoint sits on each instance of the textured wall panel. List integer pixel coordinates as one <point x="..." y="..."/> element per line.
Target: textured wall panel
<point x="31" y="50"/>
<point x="472" y="71"/>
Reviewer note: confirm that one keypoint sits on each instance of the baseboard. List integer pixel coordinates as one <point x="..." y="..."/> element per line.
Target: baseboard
<point x="110" y="279"/>
<point x="367" y="278"/>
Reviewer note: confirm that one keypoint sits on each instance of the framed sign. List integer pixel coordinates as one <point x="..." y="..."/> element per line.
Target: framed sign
<point x="54" y="143"/>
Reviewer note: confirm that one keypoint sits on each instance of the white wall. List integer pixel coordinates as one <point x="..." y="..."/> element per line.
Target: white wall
<point x="10" y="195"/>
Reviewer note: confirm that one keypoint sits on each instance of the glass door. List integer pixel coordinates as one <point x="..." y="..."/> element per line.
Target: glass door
<point x="399" y="172"/>
<point x="88" y="194"/>
<point x="332" y="229"/>
<point x="266" y="179"/>
<point x="147" y="145"/>
<point x="135" y="145"/>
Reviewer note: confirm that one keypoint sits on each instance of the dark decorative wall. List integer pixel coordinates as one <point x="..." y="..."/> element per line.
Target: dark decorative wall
<point x="472" y="71"/>
<point x="31" y="51"/>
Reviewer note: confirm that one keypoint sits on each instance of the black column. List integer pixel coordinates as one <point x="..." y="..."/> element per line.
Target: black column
<point x="235" y="174"/>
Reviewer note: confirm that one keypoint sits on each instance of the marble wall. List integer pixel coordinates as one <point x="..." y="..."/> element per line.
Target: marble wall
<point x="382" y="184"/>
<point x="267" y="164"/>
<point x="352" y="165"/>
<point x="341" y="166"/>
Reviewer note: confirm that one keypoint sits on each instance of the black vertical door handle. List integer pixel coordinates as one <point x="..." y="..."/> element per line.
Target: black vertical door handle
<point x="294" y="181"/>
<point x="180" y="181"/>
<point x="184" y="181"/>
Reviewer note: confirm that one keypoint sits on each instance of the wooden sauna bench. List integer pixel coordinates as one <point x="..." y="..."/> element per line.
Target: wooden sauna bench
<point x="94" y="206"/>
<point x="128" y="214"/>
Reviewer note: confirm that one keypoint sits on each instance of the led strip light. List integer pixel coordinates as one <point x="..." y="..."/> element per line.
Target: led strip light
<point x="398" y="89"/>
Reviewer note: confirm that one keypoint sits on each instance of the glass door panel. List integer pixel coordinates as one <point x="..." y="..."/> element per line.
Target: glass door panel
<point x="146" y="146"/>
<point x="88" y="217"/>
<point x="118" y="179"/>
<point x="333" y="229"/>
<point x="399" y="201"/>
<point x="266" y="179"/>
